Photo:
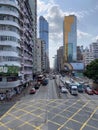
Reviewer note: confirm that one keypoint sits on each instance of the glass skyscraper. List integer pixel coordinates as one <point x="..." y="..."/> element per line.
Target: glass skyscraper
<point x="44" y="35"/>
<point x="70" y="38"/>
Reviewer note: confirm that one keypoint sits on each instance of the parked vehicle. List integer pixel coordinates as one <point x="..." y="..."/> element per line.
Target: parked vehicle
<point x="89" y="91"/>
<point x="32" y="91"/>
<point x="95" y="91"/>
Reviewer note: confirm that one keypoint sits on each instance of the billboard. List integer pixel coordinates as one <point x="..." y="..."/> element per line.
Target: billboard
<point x="77" y="66"/>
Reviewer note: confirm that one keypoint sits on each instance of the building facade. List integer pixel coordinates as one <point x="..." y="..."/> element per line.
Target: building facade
<point x="33" y="5"/>
<point x="94" y="49"/>
<point x="60" y="58"/>
<point x="79" y="54"/>
<point x="44" y="35"/>
<point x="88" y="56"/>
<point x="70" y="38"/>
<point x="16" y="43"/>
<point x="40" y="55"/>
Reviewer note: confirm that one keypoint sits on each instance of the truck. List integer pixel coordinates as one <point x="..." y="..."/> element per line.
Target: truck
<point x="73" y="90"/>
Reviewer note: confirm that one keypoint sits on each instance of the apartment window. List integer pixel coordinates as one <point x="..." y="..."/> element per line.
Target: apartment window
<point x="9" y="38"/>
<point x="7" y="17"/>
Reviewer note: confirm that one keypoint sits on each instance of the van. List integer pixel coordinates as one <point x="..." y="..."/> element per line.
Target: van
<point x="74" y="90"/>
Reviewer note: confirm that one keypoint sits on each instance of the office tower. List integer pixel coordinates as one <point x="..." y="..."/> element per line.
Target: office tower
<point x="44" y="35"/>
<point x="16" y="43"/>
<point x="70" y="38"/>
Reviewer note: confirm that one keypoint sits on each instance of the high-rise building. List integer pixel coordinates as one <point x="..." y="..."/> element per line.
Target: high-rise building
<point x="59" y="58"/>
<point x="94" y="49"/>
<point x="88" y="56"/>
<point x="40" y="55"/>
<point x="44" y="35"/>
<point x="79" y="54"/>
<point x="70" y="38"/>
<point x="33" y="5"/>
<point x="16" y="43"/>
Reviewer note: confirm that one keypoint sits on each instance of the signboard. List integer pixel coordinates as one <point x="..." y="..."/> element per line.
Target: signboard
<point x="9" y="69"/>
<point x="77" y="66"/>
<point x="3" y="69"/>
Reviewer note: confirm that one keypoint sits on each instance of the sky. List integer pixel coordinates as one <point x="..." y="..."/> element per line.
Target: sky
<point x="55" y="10"/>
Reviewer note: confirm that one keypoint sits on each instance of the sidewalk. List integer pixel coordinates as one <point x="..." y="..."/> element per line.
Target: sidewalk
<point x="17" y="97"/>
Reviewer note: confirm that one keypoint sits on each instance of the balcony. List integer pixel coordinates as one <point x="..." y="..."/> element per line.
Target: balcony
<point x="9" y="53"/>
<point x="28" y="72"/>
<point x="9" y="33"/>
<point x="10" y="63"/>
<point x="9" y="43"/>
<point x="6" y="12"/>
<point x="8" y="22"/>
<point x="8" y="2"/>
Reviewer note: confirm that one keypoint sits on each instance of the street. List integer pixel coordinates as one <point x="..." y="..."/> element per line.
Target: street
<point x="45" y="110"/>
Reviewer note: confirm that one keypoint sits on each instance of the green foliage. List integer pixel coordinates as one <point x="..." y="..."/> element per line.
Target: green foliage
<point x="92" y="70"/>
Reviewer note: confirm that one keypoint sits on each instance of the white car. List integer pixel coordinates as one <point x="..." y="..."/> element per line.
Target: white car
<point x="64" y="90"/>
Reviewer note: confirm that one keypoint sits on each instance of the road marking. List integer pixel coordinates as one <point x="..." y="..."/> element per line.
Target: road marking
<point x="76" y="121"/>
<point x="73" y="116"/>
<point x="24" y="122"/>
<point x="53" y="122"/>
<point x="89" y="118"/>
<point x="92" y="127"/>
<point x="66" y="109"/>
<point x="2" y="124"/>
<point x="8" y="111"/>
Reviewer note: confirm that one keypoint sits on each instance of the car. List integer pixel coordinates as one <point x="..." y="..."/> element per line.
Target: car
<point x="53" y="77"/>
<point x="45" y="81"/>
<point x="32" y="91"/>
<point x="37" y="85"/>
<point x="64" y="90"/>
<point x="89" y="91"/>
<point x="95" y="91"/>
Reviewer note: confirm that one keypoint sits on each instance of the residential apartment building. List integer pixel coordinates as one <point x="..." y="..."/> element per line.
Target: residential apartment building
<point x="94" y="49"/>
<point x="59" y="58"/>
<point x="88" y="56"/>
<point x="16" y="43"/>
<point x="44" y="35"/>
<point x="70" y="38"/>
<point x="40" y="55"/>
<point x="79" y="54"/>
<point x="33" y="5"/>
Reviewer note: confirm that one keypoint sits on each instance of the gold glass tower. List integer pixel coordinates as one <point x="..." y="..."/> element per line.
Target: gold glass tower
<point x="70" y="38"/>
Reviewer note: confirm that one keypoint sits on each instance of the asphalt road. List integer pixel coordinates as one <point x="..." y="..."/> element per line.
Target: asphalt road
<point x="46" y="111"/>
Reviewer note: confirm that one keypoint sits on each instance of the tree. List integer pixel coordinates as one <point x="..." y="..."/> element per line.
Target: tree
<point x="92" y="70"/>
